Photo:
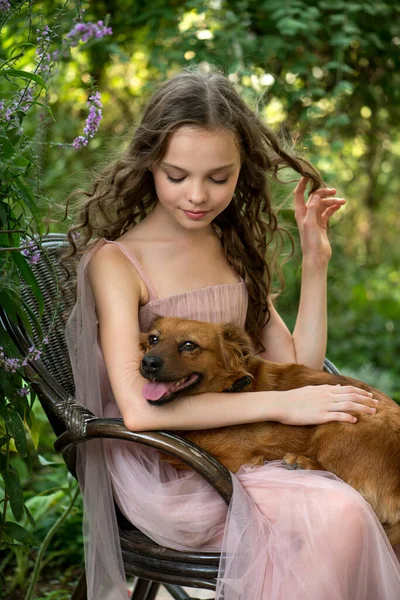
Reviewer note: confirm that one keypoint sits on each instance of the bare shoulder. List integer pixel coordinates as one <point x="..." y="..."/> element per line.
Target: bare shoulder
<point x="105" y="258"/>
<point x="114" y="282"/>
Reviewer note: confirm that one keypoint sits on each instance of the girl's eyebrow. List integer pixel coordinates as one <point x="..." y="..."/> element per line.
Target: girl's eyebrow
<point x="166" y="164"/>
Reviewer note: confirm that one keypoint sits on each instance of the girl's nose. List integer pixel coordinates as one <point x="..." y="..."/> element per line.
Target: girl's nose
<point x="197" y="194"/>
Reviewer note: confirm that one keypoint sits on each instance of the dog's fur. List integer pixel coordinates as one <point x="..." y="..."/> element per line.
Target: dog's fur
<point x="366" y="454"/>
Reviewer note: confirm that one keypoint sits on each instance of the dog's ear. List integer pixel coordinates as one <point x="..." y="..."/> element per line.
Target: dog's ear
<point x="143" y="337"/>
<point x="236" y="346"/>
<point x="237" y="336"/>
<point x="155" y="322"/>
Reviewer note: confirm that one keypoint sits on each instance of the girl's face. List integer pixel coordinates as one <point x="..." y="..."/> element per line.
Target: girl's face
<point x="196" y="179"/>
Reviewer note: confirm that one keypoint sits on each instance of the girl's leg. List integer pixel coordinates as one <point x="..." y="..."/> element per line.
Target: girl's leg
<point x="326" y="542"/>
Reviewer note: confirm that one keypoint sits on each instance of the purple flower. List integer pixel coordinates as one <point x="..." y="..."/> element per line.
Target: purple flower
<point x="4" y="5"/>
<point x="24" y="102"/>
<point x="13" y="364"/>
<point x="23" y="392"/>
<point x="84" y="31"/>
<point x="43" y="42"/>
<point x="32" y="253"/>
<point x="92" y="122"/>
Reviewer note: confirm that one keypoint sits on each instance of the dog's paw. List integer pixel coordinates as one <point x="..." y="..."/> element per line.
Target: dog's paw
<point x="296" y="461"/>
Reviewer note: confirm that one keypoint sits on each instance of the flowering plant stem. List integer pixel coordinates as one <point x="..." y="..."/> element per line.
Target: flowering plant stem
<point x="45" y="543"/>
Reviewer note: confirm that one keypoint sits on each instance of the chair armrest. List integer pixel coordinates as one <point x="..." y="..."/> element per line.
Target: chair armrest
<point x="165" y="441"/>
<point x="330" y="367"/>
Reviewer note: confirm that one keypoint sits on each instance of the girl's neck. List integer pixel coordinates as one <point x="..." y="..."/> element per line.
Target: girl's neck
<point x="164" y="227"/>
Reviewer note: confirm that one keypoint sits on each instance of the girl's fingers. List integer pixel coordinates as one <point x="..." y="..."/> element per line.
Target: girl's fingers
<point x="299" y="202"/>
<point x="325" y="202"/>
<point x="324" y="192"/>
<point x="350" y="389"/>
<point x="326" y="215"/>
<point x="347" y="406"/>
<point x="301" y="186"/>
<point x="312" y="208"/>
<point x="321" y="204"/>
<point x="340" y="416"/>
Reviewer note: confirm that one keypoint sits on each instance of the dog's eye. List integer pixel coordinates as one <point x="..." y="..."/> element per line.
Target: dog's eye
<point x="152" y="340"/>
<point x="187" y="346"/>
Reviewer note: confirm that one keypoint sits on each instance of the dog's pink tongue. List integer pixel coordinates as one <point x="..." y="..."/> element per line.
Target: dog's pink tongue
<point x="154" y="390"/>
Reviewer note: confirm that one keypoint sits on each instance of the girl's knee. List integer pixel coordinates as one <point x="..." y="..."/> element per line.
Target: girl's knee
<point x="348" y="512"/>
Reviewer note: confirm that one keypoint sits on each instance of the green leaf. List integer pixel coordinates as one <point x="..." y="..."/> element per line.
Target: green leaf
<point x="28" y="276"/>
<point x="3" y="215"/>
<point x="24" y="75"/>
<point x="14" y="135"/>
<point x="290" y="26"/>
<point x="43" y="505"/>
<point x="25" y="194"/>
<point x="337" y="120"/>
<point x="20" y="534"/>
<point x="6" y="147"/>
<point x="46" y="463"/>
<point x="21" y="45"/>
<point x="16" y="428"/>
<point x="11" y="303"/>
<point x="14" y="491"/>
<point x="30" y="516"/>
<point x="21" y="161"/>
<point x="8" y="345"/>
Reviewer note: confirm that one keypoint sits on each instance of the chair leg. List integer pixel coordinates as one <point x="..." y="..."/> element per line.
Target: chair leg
<point x="145" y="589"/>
<point x="80" y="592"/>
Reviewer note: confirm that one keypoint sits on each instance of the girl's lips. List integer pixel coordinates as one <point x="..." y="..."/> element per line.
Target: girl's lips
<point x="195" y="215"/>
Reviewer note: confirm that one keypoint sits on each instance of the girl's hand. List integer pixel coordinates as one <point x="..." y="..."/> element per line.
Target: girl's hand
<point x="312" y="219"/>
<point x="315" y="404"/>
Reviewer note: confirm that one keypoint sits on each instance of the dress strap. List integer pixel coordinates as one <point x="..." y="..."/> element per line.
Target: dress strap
<point x="145" y="278"/>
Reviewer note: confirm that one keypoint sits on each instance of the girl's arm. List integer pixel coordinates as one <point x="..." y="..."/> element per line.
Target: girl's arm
<point x="117" y="290"/>
<point x="307" y="344"/>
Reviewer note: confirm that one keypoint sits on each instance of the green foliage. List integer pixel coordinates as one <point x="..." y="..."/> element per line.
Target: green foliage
<point x="27" y="522"/>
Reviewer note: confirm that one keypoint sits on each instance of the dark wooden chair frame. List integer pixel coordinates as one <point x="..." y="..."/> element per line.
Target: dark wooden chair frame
<point x="73" y="424"/>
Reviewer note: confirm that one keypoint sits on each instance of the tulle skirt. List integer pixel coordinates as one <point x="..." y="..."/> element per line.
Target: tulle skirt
<point x="287" y="535"/>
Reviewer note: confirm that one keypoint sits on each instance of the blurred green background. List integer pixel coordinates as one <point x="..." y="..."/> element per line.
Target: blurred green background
<point x="323" y="73"/>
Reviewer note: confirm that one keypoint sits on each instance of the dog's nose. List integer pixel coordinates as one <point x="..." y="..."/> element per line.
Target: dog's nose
<point x="151" y="364"/>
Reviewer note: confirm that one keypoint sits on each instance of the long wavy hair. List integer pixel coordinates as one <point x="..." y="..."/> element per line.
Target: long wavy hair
<point x="124" y="193"/>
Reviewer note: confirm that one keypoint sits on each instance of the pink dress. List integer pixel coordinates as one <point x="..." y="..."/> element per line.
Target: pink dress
<point x="287" y="535"/>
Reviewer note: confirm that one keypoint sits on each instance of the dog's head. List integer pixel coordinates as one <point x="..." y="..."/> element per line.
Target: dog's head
<point x="191" y="357"/>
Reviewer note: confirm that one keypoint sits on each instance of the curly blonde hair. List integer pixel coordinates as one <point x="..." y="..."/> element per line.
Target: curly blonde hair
<point x="124" y="193"/>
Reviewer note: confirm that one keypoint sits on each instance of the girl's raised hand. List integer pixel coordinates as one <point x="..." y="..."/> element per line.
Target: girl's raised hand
<point x="312" y="219"/>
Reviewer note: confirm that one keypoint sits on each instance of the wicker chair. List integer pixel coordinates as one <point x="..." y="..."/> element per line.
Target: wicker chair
<point x="73" y="424"/>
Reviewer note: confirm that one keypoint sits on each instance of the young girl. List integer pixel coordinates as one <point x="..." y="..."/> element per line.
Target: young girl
<point x="180" y="226"/>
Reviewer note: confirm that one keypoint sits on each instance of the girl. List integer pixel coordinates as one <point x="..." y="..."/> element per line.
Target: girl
<point x="180" y="225"/>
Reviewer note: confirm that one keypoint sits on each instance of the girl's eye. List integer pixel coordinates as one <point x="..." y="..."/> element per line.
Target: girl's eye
<point x="174" y="180"/>
<point x="180" y="179"/>
<point x="152" y="340"/>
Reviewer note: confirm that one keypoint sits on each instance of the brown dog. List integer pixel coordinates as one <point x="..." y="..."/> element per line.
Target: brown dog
<point x="192" y="357"/>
